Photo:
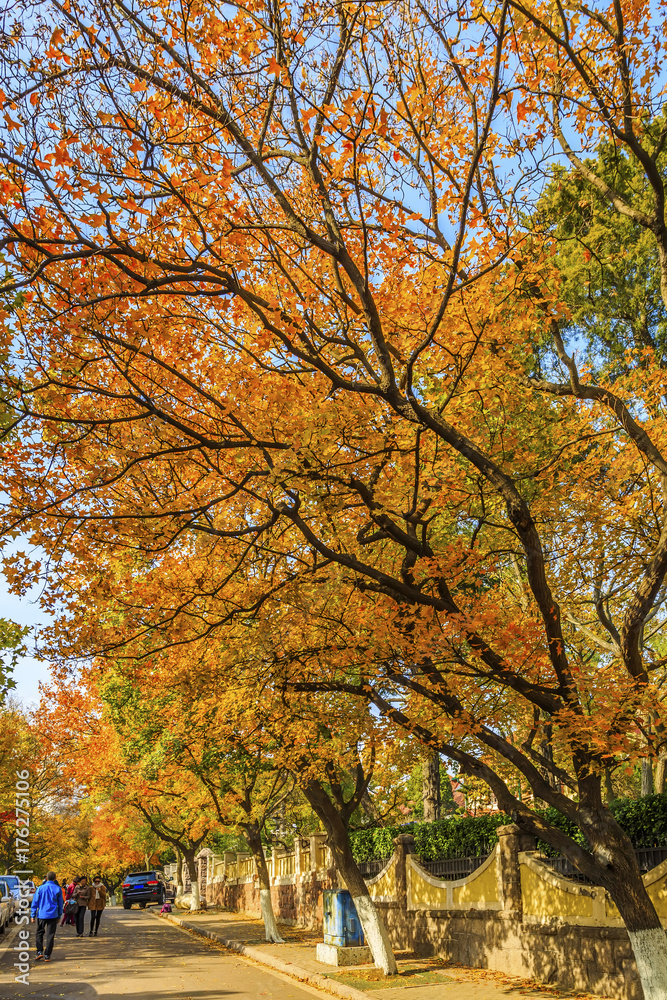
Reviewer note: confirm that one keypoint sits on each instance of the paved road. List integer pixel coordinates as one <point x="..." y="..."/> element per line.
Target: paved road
<point x="141" y="958"/>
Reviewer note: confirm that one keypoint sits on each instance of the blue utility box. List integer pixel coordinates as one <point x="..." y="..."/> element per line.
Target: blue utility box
<point x="341" y="923"/>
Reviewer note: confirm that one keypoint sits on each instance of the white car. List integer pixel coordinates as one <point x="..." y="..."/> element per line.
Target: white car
<point x="7" y="906"/>
<point x="19" y="887"/>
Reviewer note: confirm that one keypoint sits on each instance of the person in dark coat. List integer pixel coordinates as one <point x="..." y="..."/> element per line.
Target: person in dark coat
<point x="47" y="909"/>
<point x="96" y="903"/>
<point x="81" y="897"/>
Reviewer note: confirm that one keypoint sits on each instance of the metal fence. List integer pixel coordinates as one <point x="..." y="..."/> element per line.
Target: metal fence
<point x="445" y="868"/>
<point x="647" y="858"/>
<point x="453" y="868"/>
<point x="650" y="857"/>
<point x="371" y="868"/>
<point x="564" y="868"/>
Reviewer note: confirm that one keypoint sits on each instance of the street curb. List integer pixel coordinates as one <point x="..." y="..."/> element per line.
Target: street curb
<point x="8" y="938"/>
<point x="261" y="957"/>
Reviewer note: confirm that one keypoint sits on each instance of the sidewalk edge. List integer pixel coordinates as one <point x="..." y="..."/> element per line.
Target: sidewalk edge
<point x="287" y="968"/>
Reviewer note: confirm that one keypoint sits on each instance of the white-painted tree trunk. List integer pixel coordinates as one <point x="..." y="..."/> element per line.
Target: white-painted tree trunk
<point x="194" y="896"/>
<point x="650" y="949"/>
<point x="376" y="935"/>
<point x="268" y="916"/>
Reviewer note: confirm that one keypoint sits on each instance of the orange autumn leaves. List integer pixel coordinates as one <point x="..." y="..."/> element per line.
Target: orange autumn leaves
<point x="283" y="363"/>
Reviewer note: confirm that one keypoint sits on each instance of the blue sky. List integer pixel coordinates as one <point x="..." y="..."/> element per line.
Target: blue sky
<point x="29" y="671"/>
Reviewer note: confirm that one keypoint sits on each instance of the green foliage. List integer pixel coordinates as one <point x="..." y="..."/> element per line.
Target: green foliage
<point x="608" y="262"/>
<point x="561" y="823"/>
<point x="371" y="845"/>
<point x="221" y="841"/>
<point x="464" y="836"/>
<point x="11" y="648"/>
<point x="414" y="791"/>
<point x="452" y="837"/>
<point x="644" y="820"/>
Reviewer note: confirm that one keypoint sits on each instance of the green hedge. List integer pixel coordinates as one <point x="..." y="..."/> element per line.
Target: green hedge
<point x="464" y="836"/>
<point x="372" y="845"/>
<point x="644" y="820"/>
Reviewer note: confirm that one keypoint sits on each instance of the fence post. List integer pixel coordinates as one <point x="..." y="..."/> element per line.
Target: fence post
<point x="511" y="841"/>
<point x="228" y="858"/>
<point x="404" y="845"/>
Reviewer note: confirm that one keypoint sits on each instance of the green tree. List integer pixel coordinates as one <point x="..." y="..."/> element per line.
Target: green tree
<point x="606" y="259"/>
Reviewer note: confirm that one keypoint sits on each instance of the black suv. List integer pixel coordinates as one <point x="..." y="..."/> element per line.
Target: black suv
<point x="144" y="887"/>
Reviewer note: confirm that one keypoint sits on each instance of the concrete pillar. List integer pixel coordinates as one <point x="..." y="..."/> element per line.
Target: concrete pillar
<point x="316" y="843"/>
<point x="228" y="858"/>
<point x="511" y="841"/>
<point x="404" y="844"/>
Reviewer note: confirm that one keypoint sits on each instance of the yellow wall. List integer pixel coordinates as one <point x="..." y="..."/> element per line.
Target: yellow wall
<point x="479" y="891"/>
<point x="658" y="894"/>
<point x="385" y="887"/>
<point x="424" y="895"/>
<point x="541" y="899"/>
<point x="482" y="888"/>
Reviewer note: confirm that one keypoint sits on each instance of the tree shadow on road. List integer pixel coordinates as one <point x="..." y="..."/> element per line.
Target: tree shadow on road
<point x="84" y="991"/>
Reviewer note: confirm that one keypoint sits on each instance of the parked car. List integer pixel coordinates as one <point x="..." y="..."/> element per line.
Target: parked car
<point x="16" y="885"/>
<point x="8" y="906"/>
<point x="144" y="887"/>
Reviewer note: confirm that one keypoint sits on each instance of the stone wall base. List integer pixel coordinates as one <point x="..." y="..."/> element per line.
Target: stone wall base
<point x="295" y="905"/>
<point x="592" y="959"/>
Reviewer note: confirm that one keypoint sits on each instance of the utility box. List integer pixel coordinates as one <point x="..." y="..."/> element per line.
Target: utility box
<point x="341" y="923"/>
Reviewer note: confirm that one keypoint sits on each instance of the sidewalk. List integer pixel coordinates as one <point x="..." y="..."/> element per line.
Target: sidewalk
<point x="419" y="978"/>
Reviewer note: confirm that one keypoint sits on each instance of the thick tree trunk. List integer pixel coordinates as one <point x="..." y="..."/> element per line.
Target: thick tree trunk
<point x="647" y="777"/>
<point x="431" y="787"/>
<point x="650" y="948"/>
<point x="660" y="774"/>
<point x="268" y="916"/>
<point x="338" y="840"/>
<point x="608" y="786"/>
<point x="194" y="880"/>
<point x="179" y="873"/>
<point x="622" y="879"/>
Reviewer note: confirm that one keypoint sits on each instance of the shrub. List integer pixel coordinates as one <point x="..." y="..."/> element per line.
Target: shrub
<point x="464" y="836"/>
<point x="376" y="844"/>
<point x="644" y="820"/>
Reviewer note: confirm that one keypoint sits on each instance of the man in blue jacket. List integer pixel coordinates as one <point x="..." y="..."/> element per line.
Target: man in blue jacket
<point x="47" y="906"/>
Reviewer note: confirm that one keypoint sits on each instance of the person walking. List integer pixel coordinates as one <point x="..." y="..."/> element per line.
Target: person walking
<point x="47" y="909"/>
<point x="69" y="911"/>
<point x="96" y="903"/>
<point x="81" y="897"/>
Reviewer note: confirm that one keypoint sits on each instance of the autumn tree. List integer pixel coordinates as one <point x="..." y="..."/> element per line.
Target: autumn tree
<point x="208" y="743"/>
<point x="282" y="306"/>
<point x="211" y="714"/>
